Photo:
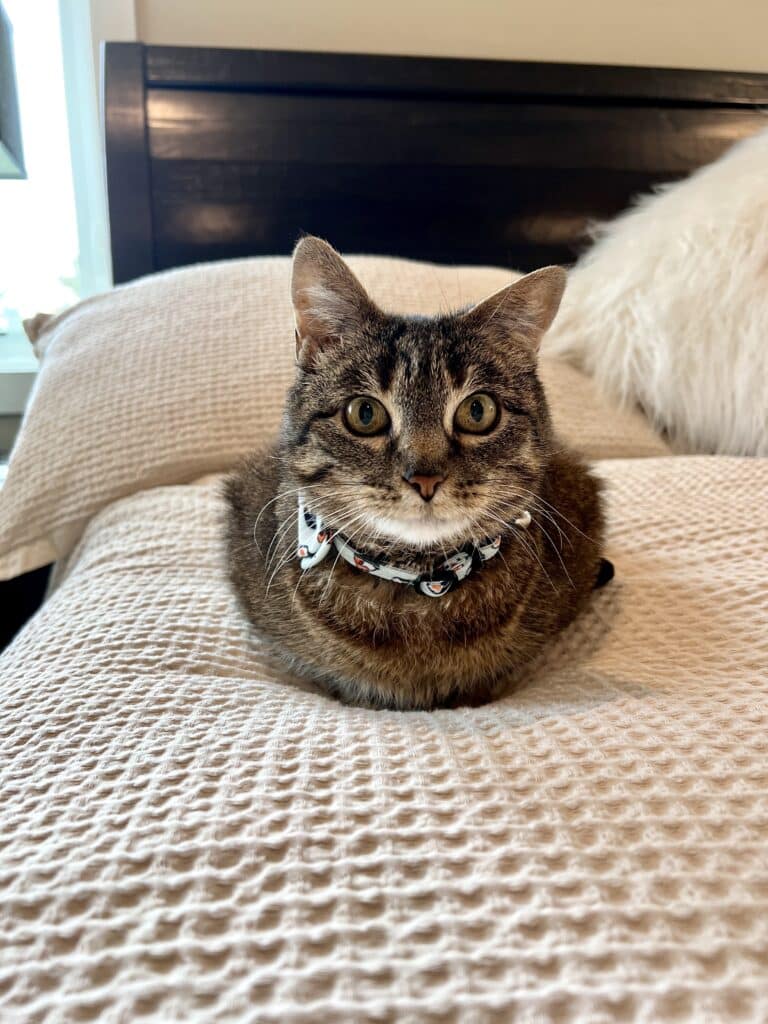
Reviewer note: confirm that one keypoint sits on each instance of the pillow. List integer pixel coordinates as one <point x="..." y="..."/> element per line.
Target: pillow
<point x="669" y="310"/>
<point x="179" y="374"/>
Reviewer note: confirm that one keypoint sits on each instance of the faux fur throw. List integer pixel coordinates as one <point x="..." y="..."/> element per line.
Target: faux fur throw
<point x="670" y="308"/>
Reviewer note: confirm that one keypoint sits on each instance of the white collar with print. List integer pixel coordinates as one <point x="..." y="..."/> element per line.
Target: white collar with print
<point x="315" y="541"/>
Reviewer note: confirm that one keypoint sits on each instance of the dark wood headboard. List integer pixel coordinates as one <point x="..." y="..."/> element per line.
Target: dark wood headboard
<point x="221" y="153"/>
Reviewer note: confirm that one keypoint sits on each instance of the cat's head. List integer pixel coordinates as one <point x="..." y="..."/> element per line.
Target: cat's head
<point x="416" y="431"/>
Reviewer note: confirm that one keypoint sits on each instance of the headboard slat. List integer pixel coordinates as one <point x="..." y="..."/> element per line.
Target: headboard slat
<point x="170" y="66"/>
<point x="310" y="130"/>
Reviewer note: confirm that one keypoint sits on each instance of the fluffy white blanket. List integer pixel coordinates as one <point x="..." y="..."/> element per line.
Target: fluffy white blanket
<point x="670" y="308"/>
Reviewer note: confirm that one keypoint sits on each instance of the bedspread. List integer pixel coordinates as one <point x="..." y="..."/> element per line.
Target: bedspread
<point x="186" y="834"/>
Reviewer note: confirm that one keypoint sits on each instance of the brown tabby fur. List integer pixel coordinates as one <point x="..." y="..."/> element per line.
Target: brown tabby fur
<point x="371" y="641"/>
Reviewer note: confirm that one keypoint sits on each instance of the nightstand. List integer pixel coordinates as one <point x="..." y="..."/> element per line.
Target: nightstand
<point x="20" y="597"/>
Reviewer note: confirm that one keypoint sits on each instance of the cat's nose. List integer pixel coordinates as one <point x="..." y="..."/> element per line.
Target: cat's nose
<point x="425" y="485"/>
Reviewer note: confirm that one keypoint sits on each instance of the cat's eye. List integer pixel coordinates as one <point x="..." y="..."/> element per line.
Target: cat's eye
<point x="477" y="414"/>
<point x="365" y="415"/>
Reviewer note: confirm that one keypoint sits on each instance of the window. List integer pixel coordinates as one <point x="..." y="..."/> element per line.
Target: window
<point x="53" y="235"/>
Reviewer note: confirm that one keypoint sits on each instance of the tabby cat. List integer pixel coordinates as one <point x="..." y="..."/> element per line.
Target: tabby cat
<point x="417" y="534"/>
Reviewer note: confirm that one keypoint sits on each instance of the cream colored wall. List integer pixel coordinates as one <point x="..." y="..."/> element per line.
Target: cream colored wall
<point x="728" y="34"/>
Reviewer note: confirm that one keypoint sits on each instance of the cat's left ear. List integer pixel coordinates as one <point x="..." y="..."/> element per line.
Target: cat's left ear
<point x="522" y="310"/>
<point x="328" y="300"/>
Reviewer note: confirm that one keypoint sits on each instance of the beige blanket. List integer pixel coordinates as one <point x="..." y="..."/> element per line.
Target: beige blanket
<point x="186" y="835"/>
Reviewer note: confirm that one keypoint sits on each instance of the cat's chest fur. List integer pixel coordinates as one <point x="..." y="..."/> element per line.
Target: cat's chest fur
<point x="383" y="615"/>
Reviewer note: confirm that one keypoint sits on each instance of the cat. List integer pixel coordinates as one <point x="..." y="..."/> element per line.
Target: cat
<point x="419" y="450"/>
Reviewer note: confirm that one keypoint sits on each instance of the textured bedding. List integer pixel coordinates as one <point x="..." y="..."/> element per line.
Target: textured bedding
<point x="186" y="834"/>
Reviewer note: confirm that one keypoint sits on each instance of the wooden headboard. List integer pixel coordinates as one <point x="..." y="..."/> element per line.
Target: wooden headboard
<point x="221" y="153"/>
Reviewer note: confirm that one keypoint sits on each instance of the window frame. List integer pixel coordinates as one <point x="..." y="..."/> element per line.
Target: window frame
<point x="83" y="27"/>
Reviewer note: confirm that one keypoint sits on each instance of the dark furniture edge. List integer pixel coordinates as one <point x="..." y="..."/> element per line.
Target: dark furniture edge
<point x="188" y="67"/>
<point x="127" y="160"/>
<point x="20" y="598"/>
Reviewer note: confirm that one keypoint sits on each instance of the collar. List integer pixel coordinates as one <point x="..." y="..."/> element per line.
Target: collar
<point x="315" y="541"/>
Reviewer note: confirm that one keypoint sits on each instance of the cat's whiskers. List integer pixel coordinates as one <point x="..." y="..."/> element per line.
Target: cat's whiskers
<point x="557" y="552"/>
<point x="288" y="554"/>
<point x="542" y="513"/>
<point x="291" y="522"/>
<point x="564" y="538"/>
<point x="533" y="501"/>
<point x="506" y="505"/>
<point x="288" y="558"/>
<point x="265" y="506"/>
<point x="277" y="497"/>
<point x="302" y="574"/>
<point x="546" y="514"/>
<point x="527" y="543"/>
<point x="276" y="549"/>
<point x="557" y="512"/>
<point x="328" y="581"/>
<point x="555" y="548"/>
<point x="330" y="575"/>
<point x="281" y="533"/>
<point x="500" y="552"/>
<point x="367" y="526"/>
<point x="326" y="588"/>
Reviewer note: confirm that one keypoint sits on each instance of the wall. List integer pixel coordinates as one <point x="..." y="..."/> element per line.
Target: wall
<point x="673" y="33"/>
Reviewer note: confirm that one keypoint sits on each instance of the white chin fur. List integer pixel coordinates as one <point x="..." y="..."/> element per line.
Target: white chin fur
<point x="421" y="533"/>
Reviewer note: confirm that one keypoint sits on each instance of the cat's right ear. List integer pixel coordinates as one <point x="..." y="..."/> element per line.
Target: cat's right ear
<point x="523" y="310"/>
<point x="328" y="300"/>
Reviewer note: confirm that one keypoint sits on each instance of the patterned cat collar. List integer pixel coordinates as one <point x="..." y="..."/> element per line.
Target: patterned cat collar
<point x="316" y="540"/>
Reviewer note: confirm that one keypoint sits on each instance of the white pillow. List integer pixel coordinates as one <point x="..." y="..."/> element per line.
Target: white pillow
<point x="669" y="310"/>
<point x="179" y="374"/>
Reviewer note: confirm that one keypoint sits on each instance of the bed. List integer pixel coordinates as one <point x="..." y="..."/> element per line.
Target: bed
<point x="188" y="833"/>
